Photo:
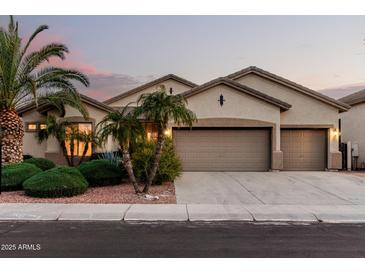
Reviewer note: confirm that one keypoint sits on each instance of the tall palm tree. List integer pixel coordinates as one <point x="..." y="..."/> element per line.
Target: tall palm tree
<point x="24" y="78"/>
<point x="161" y="108"/>
<point x="126" y="129"/>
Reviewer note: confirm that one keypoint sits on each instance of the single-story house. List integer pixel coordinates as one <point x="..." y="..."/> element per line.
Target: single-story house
<point x="250" y="120"/>
<point x="352" y="124"/>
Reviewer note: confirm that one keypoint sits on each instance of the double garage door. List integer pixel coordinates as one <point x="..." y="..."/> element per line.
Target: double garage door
<point x="223" y="149"/>
<point x="245" y="149"/>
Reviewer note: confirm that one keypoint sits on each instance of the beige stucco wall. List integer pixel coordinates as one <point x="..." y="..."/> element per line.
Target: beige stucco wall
<point x="353" y="128"/>
<point x="31" y="145"/>
<point x="236" y="105"/>
<point x="177" y="88"/>
<point x="306" y="111"/>
<point x="51" y="146"/>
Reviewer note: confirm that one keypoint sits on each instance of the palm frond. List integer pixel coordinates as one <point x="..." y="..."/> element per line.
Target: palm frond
<point x="22" y="78"/>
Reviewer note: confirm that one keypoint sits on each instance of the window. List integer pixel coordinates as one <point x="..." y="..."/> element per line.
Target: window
<point x="31" y="126"/>
<point x="34" y="126"/>
<point x="79" y="146"/>
<point x="42" y="126"/>
<point x="151" y="130"/>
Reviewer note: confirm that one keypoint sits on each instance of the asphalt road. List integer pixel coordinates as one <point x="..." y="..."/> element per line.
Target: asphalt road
<point x="120" y="239"/>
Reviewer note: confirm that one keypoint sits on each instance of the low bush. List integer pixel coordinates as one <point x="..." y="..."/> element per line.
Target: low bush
<point x="13" y="176"/>
<point x="102" y="172"/>
<point x="170" y="165"/>
<point x="27" y="156"/>
<point x="42" y="163"/>
<point x="56" y="182"/>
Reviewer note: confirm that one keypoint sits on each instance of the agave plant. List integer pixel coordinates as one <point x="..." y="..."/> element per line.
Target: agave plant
<point x="111" y="156"/>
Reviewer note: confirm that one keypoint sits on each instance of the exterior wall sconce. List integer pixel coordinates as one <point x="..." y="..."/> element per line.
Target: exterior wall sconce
<point x="168" y="132"/>
<point x="221" y="100"/>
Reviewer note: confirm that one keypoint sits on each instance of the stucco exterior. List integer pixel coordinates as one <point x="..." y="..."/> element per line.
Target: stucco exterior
<point x="353" y="129"/>
<point x="31" y="145"/>
<point x="306" y="111"/>
<point x="51" y="148"/>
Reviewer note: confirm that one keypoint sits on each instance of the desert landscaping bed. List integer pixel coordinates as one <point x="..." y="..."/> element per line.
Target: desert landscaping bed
<point x="123" y="194"/>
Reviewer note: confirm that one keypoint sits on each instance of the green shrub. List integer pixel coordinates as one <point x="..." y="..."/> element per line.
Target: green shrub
<point x="13" y="176"/>
<point x="42" y="163"/>
<point x="27" y="156"/>
<point x="56" y="182"/>
<point x="101" y="173"/>
<point x="170" y="165"/>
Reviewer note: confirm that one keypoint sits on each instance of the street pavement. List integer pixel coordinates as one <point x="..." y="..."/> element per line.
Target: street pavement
<point x="180" y="239"/>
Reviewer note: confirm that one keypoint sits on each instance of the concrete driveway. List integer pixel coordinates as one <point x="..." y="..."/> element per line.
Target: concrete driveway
<point x="272" y="188"/>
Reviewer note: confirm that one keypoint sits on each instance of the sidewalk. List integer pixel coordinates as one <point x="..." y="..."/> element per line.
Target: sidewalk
<point x="182" y="212"/>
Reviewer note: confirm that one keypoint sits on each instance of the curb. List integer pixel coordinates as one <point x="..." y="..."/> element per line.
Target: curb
<point x="184" y="213"/>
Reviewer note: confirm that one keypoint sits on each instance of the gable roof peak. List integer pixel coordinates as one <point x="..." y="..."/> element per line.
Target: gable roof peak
<point x="150" y="84"/>
<point x="239" y="87"/>
<point x="285" y="82"/>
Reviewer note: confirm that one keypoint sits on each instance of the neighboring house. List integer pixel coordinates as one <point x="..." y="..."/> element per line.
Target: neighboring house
<point x="251" y="120"/>
<point x="353" y="125"/>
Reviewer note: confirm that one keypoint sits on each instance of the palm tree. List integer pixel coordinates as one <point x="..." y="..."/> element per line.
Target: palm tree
<point x="87" y="138"/>
<point x="24" y="78"/>
<point x="57" y="130"/>
<point x="65" y="133"/>
<point x="161" y="108"/>
<point x="126" y="129"/>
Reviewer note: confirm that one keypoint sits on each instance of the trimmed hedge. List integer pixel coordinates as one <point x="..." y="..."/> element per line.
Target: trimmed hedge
<point x="42" y="163"/>
<point x="13" y="176"/>
<point x="101" y="173"/>
<point x="170" y="165"/>
<point x="56" y="182"/>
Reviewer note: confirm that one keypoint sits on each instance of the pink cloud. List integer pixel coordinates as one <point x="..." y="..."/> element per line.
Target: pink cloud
<point x="73" y="59"/>
<point x="103" y="84"/>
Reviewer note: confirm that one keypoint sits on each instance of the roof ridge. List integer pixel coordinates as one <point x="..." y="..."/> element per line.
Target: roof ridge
<point x="354" y="98"/>
<point x="149" y="84"/>
<point x="300" y="87"/>
<point x="242" y="88"/>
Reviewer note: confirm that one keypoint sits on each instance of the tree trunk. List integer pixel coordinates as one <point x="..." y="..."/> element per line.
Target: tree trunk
<point x="83" y="153"/>
<point x="72" y="147"/>
<point x="64" y="150"/>
<point x="127" y="163"/>
<point x="12" y="137"/>
<point x="156" y="159"/>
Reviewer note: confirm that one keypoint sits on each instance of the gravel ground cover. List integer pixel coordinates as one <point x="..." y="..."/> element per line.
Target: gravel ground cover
<point x="117" y="194"/>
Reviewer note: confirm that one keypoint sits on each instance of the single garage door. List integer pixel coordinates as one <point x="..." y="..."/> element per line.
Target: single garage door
<point x="304" y="149"/>
<point x="223" y="149"/>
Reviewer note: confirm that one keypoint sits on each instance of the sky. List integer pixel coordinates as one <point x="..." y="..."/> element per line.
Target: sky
<point x="324" y="53"/>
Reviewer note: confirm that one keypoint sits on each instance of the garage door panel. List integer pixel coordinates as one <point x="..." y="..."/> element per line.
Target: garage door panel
<point x="303" y="149"/>
<point x="223" y="149"/>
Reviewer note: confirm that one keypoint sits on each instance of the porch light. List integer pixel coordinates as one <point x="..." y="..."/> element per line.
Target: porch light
<point x="335" y="132"/>
<point x="168" y="132"/>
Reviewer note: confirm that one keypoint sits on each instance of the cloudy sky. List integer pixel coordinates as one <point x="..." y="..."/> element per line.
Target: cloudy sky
<point x="325" y="53"/>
